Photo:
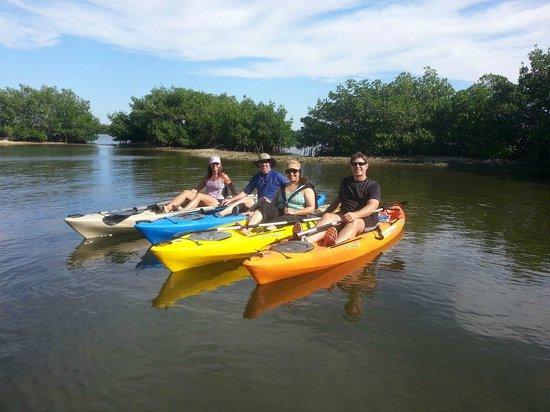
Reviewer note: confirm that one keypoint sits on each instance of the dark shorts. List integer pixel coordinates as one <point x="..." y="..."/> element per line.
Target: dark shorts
<point x="269" y="212"/>
<point x="370" y="221"/>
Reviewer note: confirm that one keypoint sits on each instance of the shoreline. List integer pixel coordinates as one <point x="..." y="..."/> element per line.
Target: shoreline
<point x="434" y="161"/>
<point x="437" y="161"/>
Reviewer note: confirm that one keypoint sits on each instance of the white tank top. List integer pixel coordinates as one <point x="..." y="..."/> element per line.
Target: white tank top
<point x="215" y="188"/>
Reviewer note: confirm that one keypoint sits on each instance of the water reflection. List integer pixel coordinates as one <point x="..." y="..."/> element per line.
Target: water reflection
<point x="195" y="281"/>
<point x="354" y="278"/>
<point x="114" y="249"/>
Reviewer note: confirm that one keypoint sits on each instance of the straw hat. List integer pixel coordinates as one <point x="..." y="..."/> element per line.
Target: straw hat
<point x="293" y="164"/>
<point x="263" y="157"/>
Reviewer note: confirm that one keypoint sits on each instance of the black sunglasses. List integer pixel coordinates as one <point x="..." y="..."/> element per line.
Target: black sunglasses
<point x="287" y="171"/>
<point x="357" y="163"/>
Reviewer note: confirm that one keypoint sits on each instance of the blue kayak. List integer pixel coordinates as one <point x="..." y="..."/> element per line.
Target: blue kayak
<point x="168" y="228"/>
<point x="165" y="229"/>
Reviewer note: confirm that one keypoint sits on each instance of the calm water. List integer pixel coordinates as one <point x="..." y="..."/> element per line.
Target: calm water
<point x="454" y="315"/>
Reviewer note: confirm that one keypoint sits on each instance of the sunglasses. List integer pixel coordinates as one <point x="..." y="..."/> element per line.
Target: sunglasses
<point x="288" y="171"/>
<point x="264" y="162"/>
<point x="358" y="164"/>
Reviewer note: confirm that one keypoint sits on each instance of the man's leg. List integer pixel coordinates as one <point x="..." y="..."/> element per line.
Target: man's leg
<point x="326" y="218"/>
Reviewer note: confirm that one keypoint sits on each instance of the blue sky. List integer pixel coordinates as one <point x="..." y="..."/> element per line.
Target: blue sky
<point x="289" y="52"/>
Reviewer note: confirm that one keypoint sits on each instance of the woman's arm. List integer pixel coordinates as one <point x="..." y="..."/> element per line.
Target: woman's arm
<point x="229" y="184"/>
<point x="201" y="185"/>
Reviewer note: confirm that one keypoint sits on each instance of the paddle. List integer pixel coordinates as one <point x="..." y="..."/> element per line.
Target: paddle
<point x="124" y="213"/>
<point x="393" y="205"/>
<point x="131" y="210"/>
<point x="318" y="229"/>
<point x="280" y="223"/>
<point x="115" y="217"/>
<point x="202" y="209"/>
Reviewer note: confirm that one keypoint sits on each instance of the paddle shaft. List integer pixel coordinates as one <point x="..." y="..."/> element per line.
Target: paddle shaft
<point x="280" y="223"/>
<point x="318" y="229"/>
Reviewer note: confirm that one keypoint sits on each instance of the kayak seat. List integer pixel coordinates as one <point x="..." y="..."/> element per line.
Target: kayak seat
<point x="210" y="235"/>
<point x="292" y="246"/>
<point x="116" y="219"/>
<point x="186" y="218"/>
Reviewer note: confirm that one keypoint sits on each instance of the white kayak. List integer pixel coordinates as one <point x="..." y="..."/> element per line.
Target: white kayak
<point x="118" y="222"/>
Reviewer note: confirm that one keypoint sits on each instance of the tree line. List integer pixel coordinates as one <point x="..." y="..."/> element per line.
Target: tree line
<point x="425" y="115"/>
<point x="188" y="118"/>
<point x="493" y="118"/>
<point x="46" y="114"/>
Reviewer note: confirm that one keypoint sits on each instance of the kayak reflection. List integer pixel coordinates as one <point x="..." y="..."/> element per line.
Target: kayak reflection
<point x="114" y="249"/>
<point x="355" y="278"/>
<point x="149" y="260"/>
<point x="197" y="280"/>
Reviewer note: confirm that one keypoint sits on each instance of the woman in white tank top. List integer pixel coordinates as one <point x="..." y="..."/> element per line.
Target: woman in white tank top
<point x="214" y="183"/>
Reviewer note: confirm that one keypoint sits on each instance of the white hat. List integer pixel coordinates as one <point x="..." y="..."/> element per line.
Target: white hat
<point x="214" y="159"/>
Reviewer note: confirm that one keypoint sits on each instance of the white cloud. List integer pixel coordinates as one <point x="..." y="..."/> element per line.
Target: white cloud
<point x="461" y="39"/>
<point x="19" y="34"/>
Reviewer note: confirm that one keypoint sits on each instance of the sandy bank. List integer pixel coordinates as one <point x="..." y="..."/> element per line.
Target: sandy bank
<point x="439" y="161"/>
<point x="4" y="142"/>
<point x="443" y="161"/>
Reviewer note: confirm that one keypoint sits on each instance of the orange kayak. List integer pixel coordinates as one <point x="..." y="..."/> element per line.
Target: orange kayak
<point x="280" y="262"/>
<point x="271" y="295"/>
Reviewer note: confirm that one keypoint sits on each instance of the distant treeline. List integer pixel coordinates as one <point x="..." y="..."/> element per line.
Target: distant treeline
<point x="47" y="114"/>
<point x="493" y="118"/>
<point x="188" y="118"/>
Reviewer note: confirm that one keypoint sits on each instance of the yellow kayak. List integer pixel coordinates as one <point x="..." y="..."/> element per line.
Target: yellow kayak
<point x="195" y="281"/>
<point x="203" y="248"/>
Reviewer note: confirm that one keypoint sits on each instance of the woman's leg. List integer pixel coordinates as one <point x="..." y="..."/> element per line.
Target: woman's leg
<point x="180" y="199"/>
<point x="248" y="202"/>
<point x="256" y="217"/>
<point x="201" y="199"/>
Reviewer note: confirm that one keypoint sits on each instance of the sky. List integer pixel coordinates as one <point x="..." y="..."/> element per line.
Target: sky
<point x="290" y="52"/>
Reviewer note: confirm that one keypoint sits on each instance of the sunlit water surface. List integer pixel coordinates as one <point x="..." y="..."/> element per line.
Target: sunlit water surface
<point x="454" y="315"/>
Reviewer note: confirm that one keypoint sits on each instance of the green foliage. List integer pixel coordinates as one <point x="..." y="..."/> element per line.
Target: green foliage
<point x="493" y="118"/>
<point x="392" y="118"/>
<point x="103" y="129"/>
<point x="534" y="90"/>
<point x="188" y="118"/>
<point x="47" y="114"/>
<point x="483" y="121"/>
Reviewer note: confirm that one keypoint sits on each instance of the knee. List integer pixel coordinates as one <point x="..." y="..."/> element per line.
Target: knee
<point x="358" y="226"/>
<point x="248" y="202"/>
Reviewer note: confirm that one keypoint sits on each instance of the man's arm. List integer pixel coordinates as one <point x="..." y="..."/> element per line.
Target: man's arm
<point x="365" y="211"/>
<point x="333" y="206"/>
